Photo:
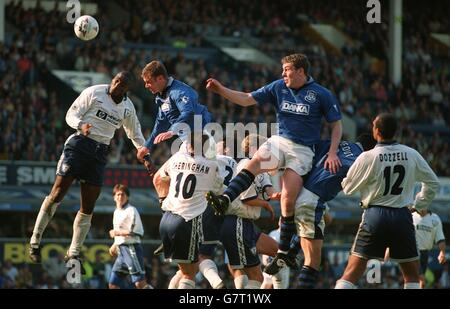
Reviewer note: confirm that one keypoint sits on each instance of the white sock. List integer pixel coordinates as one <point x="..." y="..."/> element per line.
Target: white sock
<point x="48" y="209"/>
<point x="411" y="285"/>
<point x="81" y="226"/>
<point x="209" y="270"/>
<point x="281" y="279"/>
<point x="175" y="281"/>
<point x="240" y="282"/>
<point x="253" y="284"/>
<point x="186" y="284"/>
<point x="344" y="284"/>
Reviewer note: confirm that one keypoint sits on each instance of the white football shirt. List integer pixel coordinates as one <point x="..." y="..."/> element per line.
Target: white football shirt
<point x="428" y="230"/>
<point x="191" y="177"/>
<point x="238" y="207"/>
<point x="95" y="106"/>
<point x="386" y="176"/>
<point x="128" y="219"/>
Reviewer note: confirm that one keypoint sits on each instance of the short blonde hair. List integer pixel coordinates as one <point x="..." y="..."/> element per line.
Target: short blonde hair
<point x="250" y="140"/>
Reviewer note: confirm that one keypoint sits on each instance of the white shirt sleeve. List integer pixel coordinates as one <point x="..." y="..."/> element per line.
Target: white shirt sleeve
<point x="132" y="128"/>
<point x="79" y="108"/>
<point x="430" y="183"/>
<point x="249" y="194"/>
<point x="439" y="232"/>
<point x="263" y="180"/>
<point x="137" y="227"/>
<point x="357" y="175"/>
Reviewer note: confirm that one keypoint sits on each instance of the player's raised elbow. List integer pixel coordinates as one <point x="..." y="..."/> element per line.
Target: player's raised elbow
<point x="72" y="121"/>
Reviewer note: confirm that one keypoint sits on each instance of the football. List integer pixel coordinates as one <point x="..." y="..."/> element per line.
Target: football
<point x="86" y="27"/>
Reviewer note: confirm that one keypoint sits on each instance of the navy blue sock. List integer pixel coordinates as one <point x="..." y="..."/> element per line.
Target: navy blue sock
<point x="239" y="184"/>
<point x="287" y="230"/>
<point x="307" y="278"/>
<point x="295" y="245"/>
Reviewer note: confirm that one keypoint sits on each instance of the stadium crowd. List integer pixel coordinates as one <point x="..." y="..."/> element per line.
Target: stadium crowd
<point x="31" y="112"/>
<point x="32" y="122"/>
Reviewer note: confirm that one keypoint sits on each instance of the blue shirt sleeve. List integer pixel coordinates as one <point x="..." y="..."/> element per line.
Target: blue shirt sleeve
<point x="330" y="107"/>
<point x="161" y="125"/>
<point x="185" y="102"/>
<point x="265" y="94"/>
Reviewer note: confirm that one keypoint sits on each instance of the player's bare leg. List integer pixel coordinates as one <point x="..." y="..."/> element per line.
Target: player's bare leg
<point x="239" y="276"/>
<point x="48" y="209"/>
<point x="312" y="249"/>
<point x="255" y="277"/>
<point x="189" y="270"/>
<point x="143" y="285"/>
<point x="410" y="272"/>
<point x="355" y="269"/>
<point x="175" y="281"/>
<point x="266" y="245"/>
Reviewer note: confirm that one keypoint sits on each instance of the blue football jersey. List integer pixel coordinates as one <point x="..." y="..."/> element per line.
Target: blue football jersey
<point x="178" y="104"/>
<point x="300" y="111"/>
<point x="323" y="183"/>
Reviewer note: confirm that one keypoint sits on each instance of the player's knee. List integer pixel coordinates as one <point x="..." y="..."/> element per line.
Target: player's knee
<point x="287" y="201"/>
<point x="255" y="275"/>
<point x="87" y="208"/>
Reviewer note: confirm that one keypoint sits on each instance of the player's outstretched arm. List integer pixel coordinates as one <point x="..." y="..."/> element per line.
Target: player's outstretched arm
<point x="237" y="97"/>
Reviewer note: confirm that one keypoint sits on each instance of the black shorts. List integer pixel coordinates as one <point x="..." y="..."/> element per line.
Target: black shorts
<point x="384" y="227"/>
<point x="423" y="261"/>
<point x="180" y="238"/>
<point x="84" y="159"/>
<point x="239" y="236"/>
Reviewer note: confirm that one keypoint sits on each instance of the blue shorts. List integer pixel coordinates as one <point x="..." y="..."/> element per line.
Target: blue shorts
<point x="180" y="238"/>
<point x="384" y="227"/>
<point x="130" y="261"/>
<point x="84" y="159"/>
<point x="239" y="236"/>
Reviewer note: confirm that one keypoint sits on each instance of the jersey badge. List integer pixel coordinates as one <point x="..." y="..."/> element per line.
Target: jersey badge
<point x="311" y="96"/>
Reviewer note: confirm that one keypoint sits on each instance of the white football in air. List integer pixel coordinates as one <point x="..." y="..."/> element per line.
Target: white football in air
<point x="86" y="27"/>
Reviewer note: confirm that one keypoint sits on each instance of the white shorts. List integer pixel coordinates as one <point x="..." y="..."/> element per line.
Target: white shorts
<point x="289" y="154"/>
<point x="309" y="215"/>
